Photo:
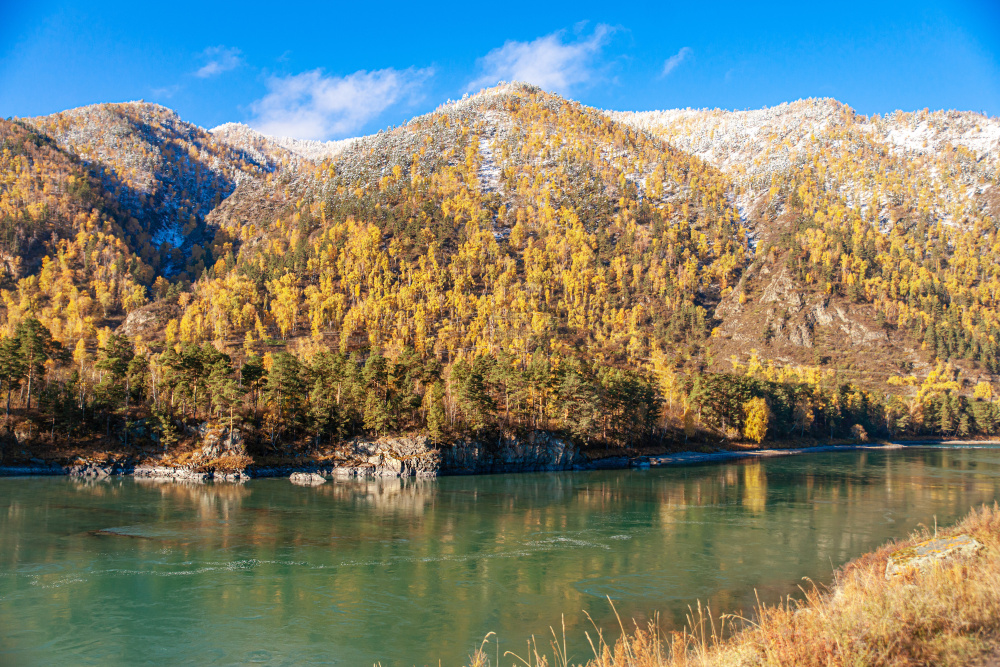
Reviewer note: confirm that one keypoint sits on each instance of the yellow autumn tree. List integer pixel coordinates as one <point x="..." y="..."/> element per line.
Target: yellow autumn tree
<point x="757" y="418"/>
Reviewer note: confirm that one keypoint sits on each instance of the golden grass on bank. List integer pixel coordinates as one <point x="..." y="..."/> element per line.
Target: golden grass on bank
<point x="947" y="616"/>
<point x="228" y="464"/>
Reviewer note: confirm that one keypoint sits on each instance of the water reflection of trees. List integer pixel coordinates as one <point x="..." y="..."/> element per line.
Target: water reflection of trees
<point x="368" y="569"/>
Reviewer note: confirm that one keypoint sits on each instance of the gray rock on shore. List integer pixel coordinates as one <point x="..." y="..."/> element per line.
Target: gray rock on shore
<point x="417" y="456"/>
<point x="307" y="478"/>
<point x="926" y="554"/>
<point x="93" y="470"/>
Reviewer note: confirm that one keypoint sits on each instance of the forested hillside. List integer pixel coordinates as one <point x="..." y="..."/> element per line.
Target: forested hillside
<point x="895" y="213"/>
<point x="510" y="262"/>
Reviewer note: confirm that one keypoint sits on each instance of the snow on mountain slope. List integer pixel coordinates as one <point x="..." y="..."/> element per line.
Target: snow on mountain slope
<point x="941" y="162"/>
<point x="756" y="142"/>
<point x="267" y="147"/>
<point x="170" y="172"/>
<point x="923" y="132"/>
<point x="167" y="173"/>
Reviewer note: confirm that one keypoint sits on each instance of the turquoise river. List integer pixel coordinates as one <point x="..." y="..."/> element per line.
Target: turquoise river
<point x="128" y="572"/>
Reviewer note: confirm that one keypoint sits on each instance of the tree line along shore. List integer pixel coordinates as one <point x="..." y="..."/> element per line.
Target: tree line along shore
<point x="125" y="396"/>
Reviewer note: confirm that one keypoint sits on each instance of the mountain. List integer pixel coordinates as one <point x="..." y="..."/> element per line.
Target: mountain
<point x="509" y="221"/>
<point x="66" y="250"/>
<point x="165" y="174"/>
<point x="876" y="231"/>
<point x="517" y="260"/>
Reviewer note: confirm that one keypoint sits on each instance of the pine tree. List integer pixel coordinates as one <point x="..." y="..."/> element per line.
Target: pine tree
<point x="326" y="374"/>
<point x="253" y="378"/>
<point x="946" y="417"/>
<point x="474" y="396"/>
<point x="165" y="428"/>
<point x="433" y="404"/>
<point x="285" y="391"/>
<point x="35" y="347"/>
<point x="225" y="390"/>
<point x="12" y="367"/>
<point x="113" y="391"/>
<point x="380" y="414"/>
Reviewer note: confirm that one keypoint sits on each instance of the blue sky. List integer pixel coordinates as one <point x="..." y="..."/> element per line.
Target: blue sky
<point x="337" y="69"/>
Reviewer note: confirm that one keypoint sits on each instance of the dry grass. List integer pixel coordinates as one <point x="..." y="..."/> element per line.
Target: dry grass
<point x="949" y="615"/>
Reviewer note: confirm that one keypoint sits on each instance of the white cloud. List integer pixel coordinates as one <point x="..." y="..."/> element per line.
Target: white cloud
<point x="673" y="61"/>
<point x="166" y="91"/>
<point x="547" y="62"/>
<point x="219" y="59"/>
<point x="311" y="105"/>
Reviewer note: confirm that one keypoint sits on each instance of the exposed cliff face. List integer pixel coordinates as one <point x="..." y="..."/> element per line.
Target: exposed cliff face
<point x="784" y="312"/>
<point x="774" y="314"/>
<point x="536" y="451"/>
<point x="418" y="457"/>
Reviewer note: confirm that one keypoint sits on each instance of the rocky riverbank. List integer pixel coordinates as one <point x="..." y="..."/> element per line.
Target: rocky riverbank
<point x="412" y="456"/>
<point x="222" y="457"/>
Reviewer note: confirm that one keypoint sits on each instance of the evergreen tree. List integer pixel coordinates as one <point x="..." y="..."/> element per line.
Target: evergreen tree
<point x="984" y="415"/>
<point x="380" y="411"/>
<point x="946" y="416"/>
<point x="165" y="428"/>
<point x="578" y="398"/>
<point x="433" y="404"/>
<point x="36" y="346"/>
<point x="225" y="389"/>
<point x="58" y="405"/>
<point x="285" y="391"/>
<point x="253" y="377"/>
<point x="114" y="359"/>
<point x="12" y="367"/>
<point x="473" y="392"/>
<point x="326" y="374"/>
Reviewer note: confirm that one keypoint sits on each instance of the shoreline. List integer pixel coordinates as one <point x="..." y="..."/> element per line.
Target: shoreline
<point x="336" y="472"/>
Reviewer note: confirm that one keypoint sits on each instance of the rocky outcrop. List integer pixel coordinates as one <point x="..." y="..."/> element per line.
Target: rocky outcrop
<point x="219" y="441"/>
<point x="149" y="320"/>
<point x="821" y="315"/>
<point x="181" y="474"/>
<point x="801" y="333"/>
<point x="923" y="556"/>
<point x="306" y="479"/>
<point x="97" y="470"/>
<point x="784" y="315"/>
<point x="855" y="331"/>
<point x="401" y="457"/>
<point x="782" y="291"/>
<point x="389" y="457"/>
<point x="417" y="456"/>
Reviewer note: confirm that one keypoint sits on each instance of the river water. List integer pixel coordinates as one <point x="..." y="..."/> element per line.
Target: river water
<point x="126" y="572"/>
